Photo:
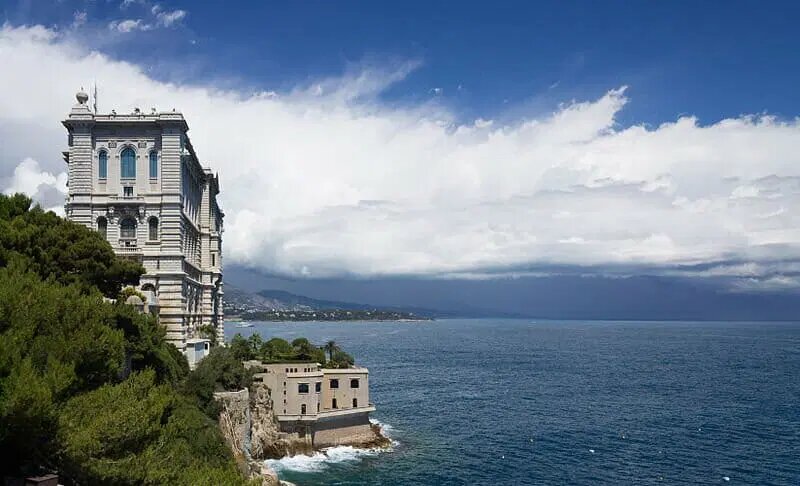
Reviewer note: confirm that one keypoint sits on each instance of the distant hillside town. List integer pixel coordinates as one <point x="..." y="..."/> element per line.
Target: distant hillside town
<point x="278" y="305"/>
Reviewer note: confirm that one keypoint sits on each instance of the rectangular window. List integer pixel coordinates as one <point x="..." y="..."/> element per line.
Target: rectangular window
<point x="354" y="383"/>
<point x="334" y="383"/>
<point x="318" y="386"/>
<point x="153" y="165"/>
<point x="302" y="388"/>
<point x="333" y="404"/>
<point x="103" y="165"/>
<point x="127" y="191"/>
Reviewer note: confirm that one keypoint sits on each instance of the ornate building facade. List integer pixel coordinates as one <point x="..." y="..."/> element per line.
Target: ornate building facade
<point x="137" y="180"/>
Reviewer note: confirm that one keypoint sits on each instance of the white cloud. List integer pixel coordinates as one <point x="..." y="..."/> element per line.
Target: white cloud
<point x="168" y="19"/>
<point x="128" y="25"/>
<point x="326" y="179"/>
<point x="78" y="19"/>
<point x="159" y="18"/>
<point x="45" y="187"/>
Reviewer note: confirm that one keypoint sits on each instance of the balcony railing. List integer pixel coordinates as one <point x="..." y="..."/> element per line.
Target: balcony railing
<point x="128" y="246"/>
<point x="127" y="199"/>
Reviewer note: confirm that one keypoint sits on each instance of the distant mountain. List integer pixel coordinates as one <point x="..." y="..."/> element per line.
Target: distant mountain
<point x="300" y="302"/>
<point x="238" y="301"/>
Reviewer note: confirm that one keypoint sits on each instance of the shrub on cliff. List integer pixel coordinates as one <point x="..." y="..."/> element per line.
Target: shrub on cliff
<point x="221" y="370"/>
<point x="140" y="432"/>
<point x="55" y="342"/>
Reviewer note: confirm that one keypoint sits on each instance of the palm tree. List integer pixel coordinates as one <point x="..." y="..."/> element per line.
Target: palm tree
<point x="331" y="347"/>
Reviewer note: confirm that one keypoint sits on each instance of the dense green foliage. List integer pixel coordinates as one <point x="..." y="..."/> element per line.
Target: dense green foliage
<point x="277" y="350"/>
<point x="88" y="386"/>
<point x="140" y="432"/>
<point x="219" y="371"/>
<point x="53" y="247"/>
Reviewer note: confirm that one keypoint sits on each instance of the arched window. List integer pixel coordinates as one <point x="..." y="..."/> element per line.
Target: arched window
<point x="355" y="403"/>
<point x="153" y="226"/>
<point x="102" y="226"/>
<point x="128" y="164"/>
<point x="102" y="164"/>
<point x="127" y="228"/>
<point x="154" y="165"/>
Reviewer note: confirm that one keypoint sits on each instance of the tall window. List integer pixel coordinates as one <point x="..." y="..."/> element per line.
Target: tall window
<point x="128" y="164"/>
<point x="154" y="165"/>
<point x="334" y="404"/>
<point x="153" y="226"/>
<point x="127" y="228"/>
<point x="303" y="409"/>
<point x="102" y="167"/>
<point x="102" y="226"/>
<point x="355" y="403"/>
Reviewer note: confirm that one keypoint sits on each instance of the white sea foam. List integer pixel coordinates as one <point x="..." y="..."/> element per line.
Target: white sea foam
<point x="386" y="430"/>
<point x="319" y="461"/>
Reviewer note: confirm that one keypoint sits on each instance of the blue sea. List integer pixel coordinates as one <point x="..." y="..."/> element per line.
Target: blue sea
<point x="508" y="402"/>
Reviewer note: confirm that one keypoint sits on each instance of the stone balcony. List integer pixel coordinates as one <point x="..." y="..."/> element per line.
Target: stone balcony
<point x="324" y="414"/>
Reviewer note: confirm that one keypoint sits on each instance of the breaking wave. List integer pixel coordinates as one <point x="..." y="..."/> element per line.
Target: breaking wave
<point x="319" y="461"/>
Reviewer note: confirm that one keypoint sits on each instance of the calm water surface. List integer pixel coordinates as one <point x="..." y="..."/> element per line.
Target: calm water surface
<point x="498" y="401"/>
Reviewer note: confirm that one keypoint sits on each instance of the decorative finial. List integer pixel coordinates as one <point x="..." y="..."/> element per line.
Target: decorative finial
<point x="82" y="97"/>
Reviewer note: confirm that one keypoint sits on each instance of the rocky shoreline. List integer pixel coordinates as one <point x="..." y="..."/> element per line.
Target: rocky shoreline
<point x="248" y="424"/>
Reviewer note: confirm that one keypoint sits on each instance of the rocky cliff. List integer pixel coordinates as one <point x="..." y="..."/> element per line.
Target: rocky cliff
<point x="248" y="423"/>
<point x="266" y="441"/>
<point x="235" y="424"/>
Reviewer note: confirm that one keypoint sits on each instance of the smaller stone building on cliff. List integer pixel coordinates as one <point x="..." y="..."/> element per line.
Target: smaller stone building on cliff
<point x="332" y="405"/>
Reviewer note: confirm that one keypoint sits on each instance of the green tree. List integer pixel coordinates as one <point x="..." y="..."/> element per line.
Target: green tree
<point x="140" y="432"/>
<point x="276" y="349"/>
<point x="241" y="348"/>
<point x="255" y="342"/>
<point x="55" y="342"/>
<point x="331" y="347"/>
<point x="341" y="359"/>
<point x="89" y="387"/>
<point x="304" y="350"/>
<point x="56" y="248"/>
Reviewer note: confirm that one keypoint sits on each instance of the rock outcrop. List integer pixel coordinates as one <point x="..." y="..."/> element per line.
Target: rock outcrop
<point x="266" y="440"/>
<point x="248" y="424"/>
<point x="235" y="424"/>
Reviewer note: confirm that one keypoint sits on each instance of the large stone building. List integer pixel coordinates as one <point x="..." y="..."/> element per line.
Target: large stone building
<point x="137" y="180"/>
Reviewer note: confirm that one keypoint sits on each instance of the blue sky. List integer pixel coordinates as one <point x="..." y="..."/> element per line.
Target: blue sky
<point x="525" y="147"/>
<point x="712" y="59"/>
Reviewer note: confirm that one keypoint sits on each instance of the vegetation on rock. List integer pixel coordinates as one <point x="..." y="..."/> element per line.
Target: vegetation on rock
<point x="88" y="386"/>
<point x="278" y="350"/>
